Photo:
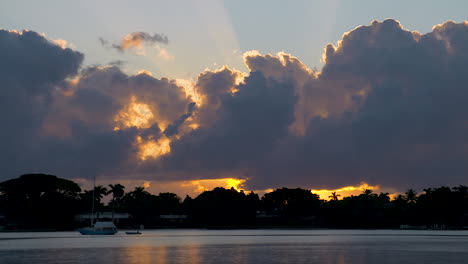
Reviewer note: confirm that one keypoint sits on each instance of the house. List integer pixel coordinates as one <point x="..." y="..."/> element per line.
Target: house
<point x="119" y="219"/>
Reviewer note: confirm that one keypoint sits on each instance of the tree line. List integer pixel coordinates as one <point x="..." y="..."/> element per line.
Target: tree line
<point x="40" y="201"/>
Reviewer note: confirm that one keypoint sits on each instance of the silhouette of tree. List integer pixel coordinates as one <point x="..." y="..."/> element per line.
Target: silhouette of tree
<point x="411" y="196"/>
<point x="221" y="207"/>
<point x="139" y="193"/>
<point x="442" y="206"/>
<point x="117" y="192"/>
<point x="384" y="197"/>
<point x="334" y="196"/>
<point x="168" y="203"/>
<point x="46" y="201"/>
<point x="291" y="202"/>
<point x="462" y="190"/>
<point x="142" y="206"/>
<point x="187" y="205"/>
<point x="40" y="201"/>
<point x="99" y="192"/>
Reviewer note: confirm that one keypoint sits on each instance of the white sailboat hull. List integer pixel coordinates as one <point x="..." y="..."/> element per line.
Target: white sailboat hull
<point x="93" y="231"/>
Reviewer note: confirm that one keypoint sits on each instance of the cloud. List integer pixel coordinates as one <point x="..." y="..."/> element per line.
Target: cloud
<point x="173" y="129"/>
<point x="387" y="108"/>
<point x="135" y="40"/>
<point x="30" y="69"/>
<point x="103" y="42"/>
<point x="33" y="63"/>
<point x="62" y="43"/>
<point x="107" y="103"/>
<point x="164" y="54"/>
<point x="406" y="124"/>
<point x="117" y="63"/>
<point x="57" y="118"/>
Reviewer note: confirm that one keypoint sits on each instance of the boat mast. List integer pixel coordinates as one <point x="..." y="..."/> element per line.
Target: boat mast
<point x="92" y="207"/>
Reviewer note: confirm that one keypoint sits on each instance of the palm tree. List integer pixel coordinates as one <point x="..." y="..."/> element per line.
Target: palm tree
<point x="367" y="192"/>
<point x="139" y="192"/>
<point x="118" y="192"/>
<point x="385" y="197"/>
<point x="411" y="196"/>
<point x="334" y="196"/>
<point x="95" y="195"/>
<point x="99" y="193"/>
<point x="463" y="190"/>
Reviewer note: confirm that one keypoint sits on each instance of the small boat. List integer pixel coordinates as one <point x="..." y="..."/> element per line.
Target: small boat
<point x="137" y="232"/>
<point x="100" y="228"/>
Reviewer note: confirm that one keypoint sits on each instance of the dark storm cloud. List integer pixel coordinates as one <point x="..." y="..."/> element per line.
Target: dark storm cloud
<point x="389" y="107"/>
<point x="30" y="68"/>
<point x="173" y="129"/>
<point x="246" y="126"/>
<point x="56" y="121"/>
<point x="31" y="62"/>
<point x="89" y="124"/>
<point x="33" y="70"/>
<point x="214" y="85"/>
<point x="410" y="128"/>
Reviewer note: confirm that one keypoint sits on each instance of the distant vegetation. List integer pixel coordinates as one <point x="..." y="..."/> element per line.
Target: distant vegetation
<point x="40" y="201"/>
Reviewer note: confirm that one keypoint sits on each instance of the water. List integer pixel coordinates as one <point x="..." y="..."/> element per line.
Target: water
<point x="238" y="246"/>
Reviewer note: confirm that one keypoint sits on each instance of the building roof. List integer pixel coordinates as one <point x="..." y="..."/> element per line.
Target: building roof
<point x="84" y="216"/>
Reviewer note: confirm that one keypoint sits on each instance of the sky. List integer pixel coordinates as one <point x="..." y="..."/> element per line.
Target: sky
<point x="182" y="96"/>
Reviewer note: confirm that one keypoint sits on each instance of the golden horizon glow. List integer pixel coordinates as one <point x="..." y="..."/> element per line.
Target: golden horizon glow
<point x="209" y="184"/>
<point x="345" y="191"/>
<point x="146" y="184"/>
<point x="195" y="187"/>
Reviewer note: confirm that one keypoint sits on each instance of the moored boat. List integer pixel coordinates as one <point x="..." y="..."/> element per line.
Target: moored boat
<point x="100" y="228"/>
<point x="137" y="232"/>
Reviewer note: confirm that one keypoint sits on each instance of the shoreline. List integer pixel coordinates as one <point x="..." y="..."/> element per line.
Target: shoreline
<point x="238" y="228"/>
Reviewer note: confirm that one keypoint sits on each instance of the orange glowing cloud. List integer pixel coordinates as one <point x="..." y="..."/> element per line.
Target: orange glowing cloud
<point x="145" y="72"/>
<point x="135" y="114"/>
<point x="190" y="91"/>
<point x="164" y="54"/>
<point x="135" y="40"/>
<point x="153" y="148"/>
<point x="62" y="43"/>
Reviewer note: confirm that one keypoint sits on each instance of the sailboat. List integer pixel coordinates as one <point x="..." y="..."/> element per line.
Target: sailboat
<point x="98" y="227"/>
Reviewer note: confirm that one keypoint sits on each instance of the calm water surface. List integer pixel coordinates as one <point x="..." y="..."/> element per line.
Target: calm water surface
<point x="238" y="246"/>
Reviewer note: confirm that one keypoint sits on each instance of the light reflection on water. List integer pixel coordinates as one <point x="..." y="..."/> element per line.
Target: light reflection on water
<point x="238" y="246"/>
